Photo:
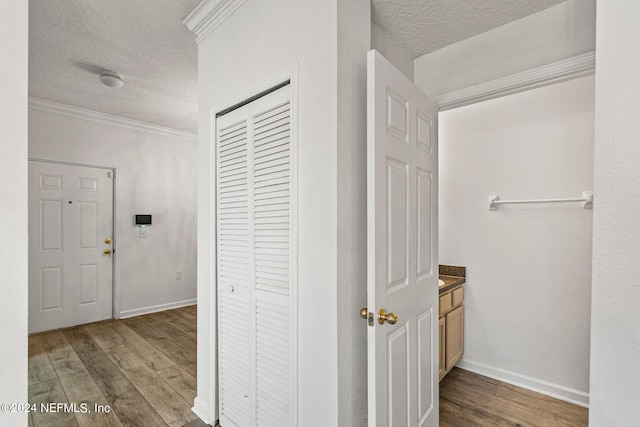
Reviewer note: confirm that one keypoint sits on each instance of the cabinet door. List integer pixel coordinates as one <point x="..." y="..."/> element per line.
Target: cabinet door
<point x="444" y="303"/>
<point x="443" y="355"/>
<point x="454" y="333"/>
<point x="457" y="295"/>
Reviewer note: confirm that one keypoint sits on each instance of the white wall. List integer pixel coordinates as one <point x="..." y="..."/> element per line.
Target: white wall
<point x="354" y="28"/>
<point x="154" y="174"/>
<point x="528" y="287"/>
<point x="615" y="327"/>
<point x="560" y="32"/>
<point x="269" y="38"/>
<point x="391" y="50"/>
<point x="13" y="209"/>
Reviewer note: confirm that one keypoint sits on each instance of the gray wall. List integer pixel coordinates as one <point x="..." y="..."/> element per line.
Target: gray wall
<point x="13" y="210"/>
<point x="615" y="326"/>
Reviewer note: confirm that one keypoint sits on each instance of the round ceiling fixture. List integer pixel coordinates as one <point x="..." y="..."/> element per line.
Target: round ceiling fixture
<point x="111" y="79"/>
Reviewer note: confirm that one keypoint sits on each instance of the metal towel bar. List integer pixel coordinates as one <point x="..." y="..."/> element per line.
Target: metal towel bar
<point x="586" y="199"/>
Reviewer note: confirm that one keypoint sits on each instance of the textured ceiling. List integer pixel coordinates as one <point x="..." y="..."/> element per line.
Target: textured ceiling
<point x="422" y="26"/>
<point x="72" y="41"/>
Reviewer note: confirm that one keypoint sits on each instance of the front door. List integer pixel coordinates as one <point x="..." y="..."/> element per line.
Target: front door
<point x="70" y="245"/>
<point x="402" y="258"/>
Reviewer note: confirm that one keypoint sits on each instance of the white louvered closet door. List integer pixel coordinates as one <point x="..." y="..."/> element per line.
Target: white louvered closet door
<point x="254" y="263"/>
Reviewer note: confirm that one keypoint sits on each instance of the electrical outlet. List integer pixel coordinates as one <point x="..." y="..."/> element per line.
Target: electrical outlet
<point x="179" y="275"/>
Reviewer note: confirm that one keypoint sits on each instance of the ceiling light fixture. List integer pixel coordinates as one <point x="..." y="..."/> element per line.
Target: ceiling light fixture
<point x="111" y="79"/>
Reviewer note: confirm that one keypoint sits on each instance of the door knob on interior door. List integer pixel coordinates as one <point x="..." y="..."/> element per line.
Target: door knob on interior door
<point x="107" y="251"/>
<point x="107" y="240"/>
<point x="390" y="318"/>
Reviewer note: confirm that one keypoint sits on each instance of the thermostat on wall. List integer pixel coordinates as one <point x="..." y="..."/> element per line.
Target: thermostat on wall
<point x="142" y="220"/>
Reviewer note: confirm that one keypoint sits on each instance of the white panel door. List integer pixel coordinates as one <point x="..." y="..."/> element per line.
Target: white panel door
<point x="70" y="233"/>
<point x="254" y="261"/>
<point x="402" y="250"/>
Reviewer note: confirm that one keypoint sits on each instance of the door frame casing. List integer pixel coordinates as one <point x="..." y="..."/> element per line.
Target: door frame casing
<point x="115" y="281"/>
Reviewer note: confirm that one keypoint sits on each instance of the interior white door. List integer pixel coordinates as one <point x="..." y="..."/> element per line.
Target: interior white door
<point x="401" y="250"/>
<point x="70" y="245"/>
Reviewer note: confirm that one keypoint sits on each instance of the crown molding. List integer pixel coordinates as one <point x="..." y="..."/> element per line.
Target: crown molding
<point x="555" y="72"/>
<point x="50" y="107"/>
<point x="209" y="15"/>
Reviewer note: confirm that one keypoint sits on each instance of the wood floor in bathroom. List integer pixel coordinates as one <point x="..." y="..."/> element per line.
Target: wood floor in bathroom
<point x="469" y="400"/>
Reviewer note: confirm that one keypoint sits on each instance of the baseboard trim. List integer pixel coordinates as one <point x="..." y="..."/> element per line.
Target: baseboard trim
<point x="201" y="409"/>
<point x="556" y="391"/>
<point x="155" y="308"/>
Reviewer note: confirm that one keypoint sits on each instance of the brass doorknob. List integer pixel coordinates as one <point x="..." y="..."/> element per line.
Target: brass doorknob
<point x="390" y="318"/>
<point x="107" y="251"/>
<point x="366" y="315"/>
<point x="107" y="240"/>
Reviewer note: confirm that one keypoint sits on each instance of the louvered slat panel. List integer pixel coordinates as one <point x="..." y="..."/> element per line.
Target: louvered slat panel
<point x="269" y="172"/>
<point x="234" y="331"/>
<point x="272" y="223"/>
<point x="260" y="209"/>
<point x="277" y="258"/>
<point x="271" y="198"/>
<point x="273" y="114"/>
<point x="273" y="149"/>
<point x="233" y="206"/>
<point x="263" y="205"/>
<point x="273" y="188"/>
<point x="272" y="364"/>
<point x="234" y="359"/>
<point x="274" y="179"/>
<point x="273" y="164"/>
<point x="272" y="121"/>
<point x="268" y="141"/>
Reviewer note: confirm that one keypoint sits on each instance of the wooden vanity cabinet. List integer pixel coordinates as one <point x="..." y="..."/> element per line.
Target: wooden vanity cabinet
<point x="442" y="352"/>
<point x="451" y="329"/>
<point x="454" y="343"/>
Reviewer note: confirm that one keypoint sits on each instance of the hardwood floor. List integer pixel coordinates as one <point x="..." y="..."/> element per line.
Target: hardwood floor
<point x="469" y="400"/>
<point x="143" y="369"/>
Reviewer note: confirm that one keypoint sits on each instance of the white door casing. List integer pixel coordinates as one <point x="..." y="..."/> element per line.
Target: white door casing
<point x="256" y="378"/>
<point x="70" y="221"/>
<point x="402" y="254"/>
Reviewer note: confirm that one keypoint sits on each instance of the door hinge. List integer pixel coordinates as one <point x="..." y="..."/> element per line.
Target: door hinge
<point x="110" y="174"/>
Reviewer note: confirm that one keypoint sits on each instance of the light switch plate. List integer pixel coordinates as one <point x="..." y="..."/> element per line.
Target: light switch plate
<point x="143" y="232"/>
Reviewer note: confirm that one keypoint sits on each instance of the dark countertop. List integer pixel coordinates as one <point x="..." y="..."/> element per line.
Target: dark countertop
<point x="452" y="275"/>
<point x="450" y="282"/>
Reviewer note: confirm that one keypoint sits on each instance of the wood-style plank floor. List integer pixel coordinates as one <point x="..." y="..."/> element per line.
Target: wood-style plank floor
<point x="469" y="400"/>
<point x="142" y="368"/>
